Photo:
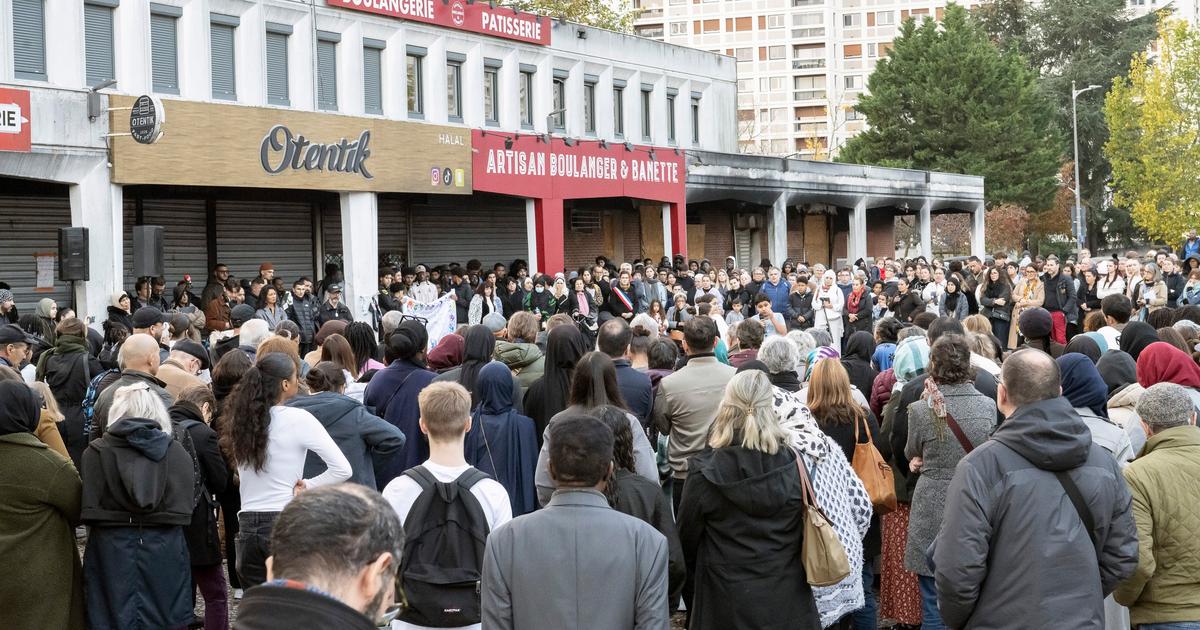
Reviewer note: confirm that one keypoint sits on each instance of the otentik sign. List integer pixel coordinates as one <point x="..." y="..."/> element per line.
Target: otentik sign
<point x="476" y="17"/>
<point x="281" y="150"/>
<point x="525" y="166"/>
<point x="15" y="119"/>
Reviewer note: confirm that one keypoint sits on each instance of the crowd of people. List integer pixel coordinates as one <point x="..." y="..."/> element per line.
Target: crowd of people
<point x="975" y="443"/>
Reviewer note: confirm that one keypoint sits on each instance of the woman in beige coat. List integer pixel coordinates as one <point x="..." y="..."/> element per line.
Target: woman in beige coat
<point x="1029" y="293"/>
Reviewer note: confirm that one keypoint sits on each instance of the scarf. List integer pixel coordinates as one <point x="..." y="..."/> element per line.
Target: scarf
<point x="582" y="299"/>
<point x="1030" y="289"/>
<point x="620" y="293"/>
<point x="855" y="297"/>
<point x="1161" y="362"/>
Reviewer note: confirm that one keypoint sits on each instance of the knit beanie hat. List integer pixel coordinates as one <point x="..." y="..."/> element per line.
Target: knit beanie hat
<point x="6" y="296"/>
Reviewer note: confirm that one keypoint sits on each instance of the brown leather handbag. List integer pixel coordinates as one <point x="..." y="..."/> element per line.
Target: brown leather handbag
<point x="875" y="473"/>
<point x="823" y="555"/>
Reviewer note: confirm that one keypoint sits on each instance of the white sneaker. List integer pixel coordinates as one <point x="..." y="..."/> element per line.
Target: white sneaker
<point x="237" y="593"/>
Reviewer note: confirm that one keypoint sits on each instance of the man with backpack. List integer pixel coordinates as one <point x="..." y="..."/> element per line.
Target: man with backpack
<point x="448" y="508"/>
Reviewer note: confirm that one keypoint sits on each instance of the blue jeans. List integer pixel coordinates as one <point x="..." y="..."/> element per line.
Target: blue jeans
<point x="931" y="619"/>
<point x="867" y="617"/>
<point x="1171" y="625"/>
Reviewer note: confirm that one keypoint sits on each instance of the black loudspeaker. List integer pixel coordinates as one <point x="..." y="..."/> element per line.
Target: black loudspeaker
<point x="147" y="251"/>
<point x="73" y="254"/>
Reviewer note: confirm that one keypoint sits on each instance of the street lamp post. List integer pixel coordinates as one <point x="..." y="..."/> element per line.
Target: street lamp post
<point x="1077" y="217"/>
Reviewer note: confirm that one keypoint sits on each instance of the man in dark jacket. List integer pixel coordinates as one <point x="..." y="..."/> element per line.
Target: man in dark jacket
<point x="240" y="314"/>
<point x="364" y="438"/>
<point x="139" y="356"/>
<point x="1061" y="299"/>
<point x="335" y="552"/>
<point x="1011" y="526"/>
<point x="332" y="308"/>
<point x="303" y="311"/>
<point x="461" y="293"/>
<point x="613" y="340"/>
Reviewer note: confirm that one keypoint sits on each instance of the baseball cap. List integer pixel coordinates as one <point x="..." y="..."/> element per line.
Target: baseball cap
<point x="334" y="288"/>
<point x="196" y="350"/>
<point x="241" y="314"/>
<point x="146" y="317"/>
<point x="12" y="333"/>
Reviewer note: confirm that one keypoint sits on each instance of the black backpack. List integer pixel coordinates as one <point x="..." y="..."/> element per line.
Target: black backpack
<point x="445" y="535"/>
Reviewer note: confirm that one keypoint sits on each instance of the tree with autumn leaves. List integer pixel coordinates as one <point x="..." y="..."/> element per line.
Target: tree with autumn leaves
<point x="1154" y="142"/>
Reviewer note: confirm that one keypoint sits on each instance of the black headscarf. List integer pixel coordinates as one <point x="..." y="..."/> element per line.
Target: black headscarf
<point x="1136" y="336"/>
<point x="1118" y="370"/>
<point x="480" y="343"/>
<point x="565" y="345"/>
<point x="857" y="361"/>
<point x="409" y="340"/>
<point x="1084" y="345"/>
<point x="952" y="298"/>
<point x="20" y="408"/>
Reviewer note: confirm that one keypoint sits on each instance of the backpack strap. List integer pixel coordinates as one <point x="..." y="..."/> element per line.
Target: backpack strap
<point x="468" y="479"/>
<point x="423" y="477"/>
<point x="1081" y="507"/>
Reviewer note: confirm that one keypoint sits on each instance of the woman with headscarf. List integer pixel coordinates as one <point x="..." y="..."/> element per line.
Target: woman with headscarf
<point x="548" y="395"/>
<point x="1136" y="336"/>
<point x="1035" y="325"/>
<point x="1119" y="372"/>
<point x="952" y="302"/>
<point x="447" y="354"/>
<point x="828" y="302"/>
<point x="118" y="310"/>
<point x="1162" y="362"/>
<point x="1083" y="386"/>
<point x="392" y="394"/>
<point x="1029" y="293"/>
<point x="857" y="361"/>
<point x="1085" y="345"/>
<point x="502" y="442"/>
<point x="899" y="589"/>
<point x="858" y="307"/>
<point x="541" y="301"/>
<point x="478" y="350"/>
<point x="40" y="573"/>
<point x="47" y="312"/>
<point x="1150" y="292"/>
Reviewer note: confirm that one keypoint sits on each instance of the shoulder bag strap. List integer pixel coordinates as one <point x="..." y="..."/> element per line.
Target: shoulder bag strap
<point x="1081" y="507"/>
<point x="958" y="433"/>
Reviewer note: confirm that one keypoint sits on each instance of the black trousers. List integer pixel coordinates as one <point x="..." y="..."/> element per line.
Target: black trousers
<point x="254" y="546"/>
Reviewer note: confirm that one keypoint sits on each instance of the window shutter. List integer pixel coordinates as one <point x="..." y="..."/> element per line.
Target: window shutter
<point x="224" y="84"/>
<point x="277" y="69"/>
<point x="326" y="74"/>
<point x="372" y="80"/>
<point x="29" y="39"/>
<point x="98" y="43"/>
<point x="163" y="62"/>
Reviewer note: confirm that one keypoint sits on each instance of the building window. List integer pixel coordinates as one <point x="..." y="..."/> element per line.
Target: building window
<point x="220" y="35"/>
<point x="525" y="90"/>
<point x="29" y="39"/>
<point x="695" y="119"/>
<point x="852" y="81"/>
<point x="851" y="20"/>
<point x="373" y="75"/>
<point x="743" y="54"/>
<point x="454" y="110"/>
<point x="872" y="50"/>
<point x="852" y="51"/>
<point x="491" y="91"/>
<point x="711" y="26"/>
<point x="559" y="120"/>
<point x="885" y="18"/>
<point x="589" y="107"/>
<point x="679" y="28"/>
<point x="775" y="21"/>
<point x="164" y="66"/>
<point x="619" y="110"/>
<point x="775" y="53"/>
<point x="647" y="91"/>
<point x="327" y="70"/>
<point x="98" y="43"/>
<point x="415" y="72"/>
<point x="277" y="64"/>
<point x="671" y="117"/>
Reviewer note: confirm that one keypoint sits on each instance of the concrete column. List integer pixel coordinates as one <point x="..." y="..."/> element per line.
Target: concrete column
<point x="925" y="225"/>
<point x="531" y="236"/>
<point x="548" y="225"/>
<point x="978" y="246"/>
<point x="666" y="220"/>
<point x="360" y="251"/>
<point x="678" y="229"/>
<point x="96" y="204"/>
<point x="777" y="231"/>
<point x="856" y="237"/>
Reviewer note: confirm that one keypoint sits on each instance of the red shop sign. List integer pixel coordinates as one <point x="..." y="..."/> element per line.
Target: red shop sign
<point x="15" y="120"/>
<point x="525" y="166"/>
<point x="476" y="17"/>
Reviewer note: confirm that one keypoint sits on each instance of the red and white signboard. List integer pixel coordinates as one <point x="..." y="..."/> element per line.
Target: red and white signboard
<point x="524" y="166"/>
<point x="15" y="120"/>
<point x="476" y="17"/>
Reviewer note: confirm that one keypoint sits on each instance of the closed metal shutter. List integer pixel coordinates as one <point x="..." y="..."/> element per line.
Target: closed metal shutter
<point x="326" y="74"/>
<point x="98" y="43"/>
<point x="29" y="39"/>
<point x="393" y="230"/>
<point x="250" y="233"/>
<point x="331" y="231"/>
<point x="743" y="244"/>
<point x="29" y="226"/>
<point x="277" y="64"/>
<point x="224" y="84"/>
<point x="372" y="80"/>
<point x="185" y="240"/>
<point x="491" y="230"/>
<point x="163" y="60"/>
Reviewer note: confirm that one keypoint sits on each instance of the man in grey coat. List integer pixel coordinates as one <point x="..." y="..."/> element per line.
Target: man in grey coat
<point x="1013" y="550"/>
<point x="577" y="563"/>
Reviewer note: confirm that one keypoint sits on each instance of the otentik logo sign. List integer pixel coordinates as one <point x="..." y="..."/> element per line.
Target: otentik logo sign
<point x="282" y="150"/>
<point x="15" y="121"/>
<point x="477" y="17"/>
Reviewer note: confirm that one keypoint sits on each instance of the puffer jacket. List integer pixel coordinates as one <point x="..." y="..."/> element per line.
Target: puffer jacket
<point x="1165" y="496"/>
<point x="526" y="360"/>
<point x="1009" y="528"/>
<point x="1122" y="409"/>
<point x="304" y="313"/>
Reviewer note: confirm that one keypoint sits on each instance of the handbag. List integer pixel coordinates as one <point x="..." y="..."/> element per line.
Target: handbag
<point x="874" y="472"/>
<point x="823" y="555"/>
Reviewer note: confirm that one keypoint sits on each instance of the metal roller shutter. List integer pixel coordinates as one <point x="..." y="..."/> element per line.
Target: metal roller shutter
<point x="185" y="246"/>
<point x="393" y="230"/>
<point x="250" y="233"/>
<point x="490" y="230"/>
<point x="28" y="226"/>
<point x="331" y="231"/>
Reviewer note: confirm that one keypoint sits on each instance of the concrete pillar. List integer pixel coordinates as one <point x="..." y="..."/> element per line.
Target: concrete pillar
<point x="666" y="220"/>
<point x="978" y="246"/>
<point x="96" y="204"/>
<point x="925" y="225"/>
<point x="548" y="225"/>
<point x="856" y="237"/>
<point x="360" y="251"/>
<point x="531" y="236"/>
<point x="777" y="231"/>
<point x="678" y="228"/>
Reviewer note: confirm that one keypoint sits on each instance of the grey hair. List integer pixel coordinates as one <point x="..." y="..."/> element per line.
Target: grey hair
<point x="821" y="337"/>
<point x="804" y="344"/>
<point x="1187" y="327"/>
<point x="1153" y="267"/>
<point x="391" y="321"/>
<point x="1165" y="405"/>
<point x="139" y="401"/>
<point x="909" y="331"/>
<point x="645" y="321"/>
<point x="254" y="332"/>
<point x="779" y="354"/>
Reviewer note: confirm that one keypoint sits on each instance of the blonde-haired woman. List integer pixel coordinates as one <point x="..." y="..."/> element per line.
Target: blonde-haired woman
<point x="1029" y="293"/>
<point x="740" y="518"/>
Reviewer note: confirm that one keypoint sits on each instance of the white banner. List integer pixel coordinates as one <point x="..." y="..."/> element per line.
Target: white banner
<point x="441" y="317"/>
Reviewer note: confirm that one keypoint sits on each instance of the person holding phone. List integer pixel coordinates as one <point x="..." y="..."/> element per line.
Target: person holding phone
<point x="771" y="321"/>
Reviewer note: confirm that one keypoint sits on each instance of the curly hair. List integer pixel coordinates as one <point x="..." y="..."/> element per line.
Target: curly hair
<point x="248" y="410"/>
<point x="950" y="360"/>
<point x="617" y="420"/>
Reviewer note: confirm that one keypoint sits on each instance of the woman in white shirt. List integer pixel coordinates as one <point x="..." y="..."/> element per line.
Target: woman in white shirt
<point x="268" y="443"/>
<point x="1110" y="282"/>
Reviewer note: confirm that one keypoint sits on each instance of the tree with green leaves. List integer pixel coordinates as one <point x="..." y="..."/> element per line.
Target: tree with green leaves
<point x="1154" y="144"/>
<point x="947" y="99"/>
<point x="616" y="15"/>
<point x="1090" y="42"/>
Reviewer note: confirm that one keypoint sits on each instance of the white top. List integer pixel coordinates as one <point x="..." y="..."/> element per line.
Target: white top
<point x="290" y="436"/>
<point x="1112" y="336"/>
<point x="402" y="492"/>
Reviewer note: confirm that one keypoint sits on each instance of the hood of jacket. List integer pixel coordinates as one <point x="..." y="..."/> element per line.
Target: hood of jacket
<point x="140" y="483"/>
<point x="517" y="355"/>
<point x="228" y="343"/>
<point x="757" y="483"/>
<point x="328" y="407"/>
<point x="493" y="388"/>
<point x="143" y="435"/>
<point x="1126" y="396"/>
<point x="1049" y="433"/>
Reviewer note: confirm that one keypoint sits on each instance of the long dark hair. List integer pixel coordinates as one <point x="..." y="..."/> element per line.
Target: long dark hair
<point x="248" y="409"/>
<point x="262" y="296"/>
<point x="595" y="382"/>
<point x="362" y="341"/>
<point x="564" y="346"/>
<point x="952" y="298"/>
<point x="617" y="419"/>
<point x="479" y="345"/>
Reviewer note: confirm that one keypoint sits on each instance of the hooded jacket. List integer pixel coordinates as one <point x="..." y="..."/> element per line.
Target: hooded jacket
<point x="137" y="475"/>
<point x="525" y="360"/>
<point x="1009" y="527"/>
<point x="364" y="438"/>
<point x="502" y="442"/>
<point x="203" y="539"/>
<point x="740" y="524"/>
